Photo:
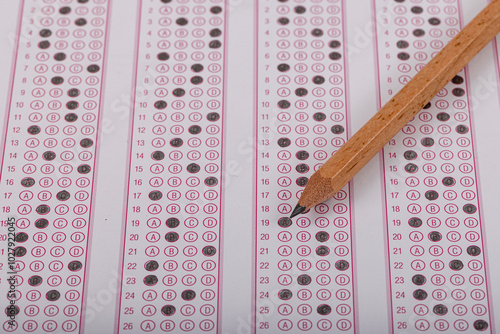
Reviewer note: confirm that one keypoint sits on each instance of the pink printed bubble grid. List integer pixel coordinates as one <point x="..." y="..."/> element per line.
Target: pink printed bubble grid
<point x="171" y="255"/>
<point x="49" y="158"/>
<point x="436" y="263"/>
<point x="303" y="268"/>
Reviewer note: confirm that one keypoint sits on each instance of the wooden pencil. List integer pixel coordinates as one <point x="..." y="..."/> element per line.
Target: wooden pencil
<point x="387" y="122"/>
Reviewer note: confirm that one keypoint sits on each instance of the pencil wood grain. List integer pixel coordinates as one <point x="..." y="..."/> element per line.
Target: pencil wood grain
<point x="387" y="122"/>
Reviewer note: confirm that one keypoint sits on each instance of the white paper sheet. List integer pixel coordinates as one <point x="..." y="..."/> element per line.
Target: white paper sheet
<point x="205" y="119"/>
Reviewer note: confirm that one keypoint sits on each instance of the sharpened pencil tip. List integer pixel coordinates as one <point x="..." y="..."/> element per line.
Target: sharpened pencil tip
<point x="298" y="210"/>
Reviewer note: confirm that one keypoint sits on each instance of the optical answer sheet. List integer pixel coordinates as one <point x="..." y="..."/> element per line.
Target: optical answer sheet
<point x="152" y="151"/>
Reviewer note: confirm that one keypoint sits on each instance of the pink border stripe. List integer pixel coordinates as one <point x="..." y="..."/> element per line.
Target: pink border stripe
<point x="95" y="174"/>
<point x="129" y="159"/>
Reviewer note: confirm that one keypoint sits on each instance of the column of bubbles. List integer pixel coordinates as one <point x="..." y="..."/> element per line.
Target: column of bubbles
<point x="172" y="234"/>
<point x="436" y="259"/>
<point x="49" y="159"/>
<point x="303" y="267"/>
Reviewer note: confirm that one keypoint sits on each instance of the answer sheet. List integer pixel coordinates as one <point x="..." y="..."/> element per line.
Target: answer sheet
<point x="153" y="150"/>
